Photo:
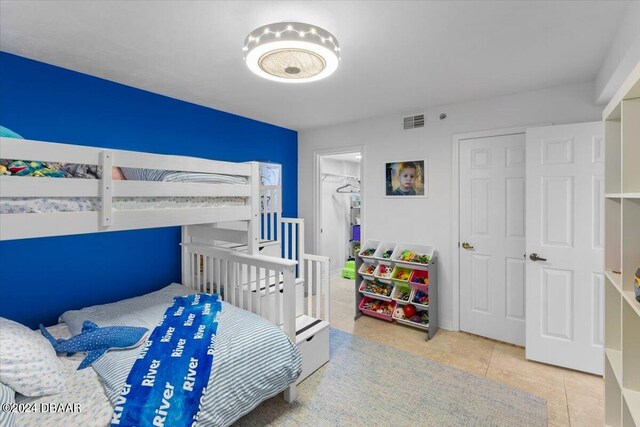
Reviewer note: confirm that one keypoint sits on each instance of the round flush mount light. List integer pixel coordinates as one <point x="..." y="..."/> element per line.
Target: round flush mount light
<point x="291" y="52"/>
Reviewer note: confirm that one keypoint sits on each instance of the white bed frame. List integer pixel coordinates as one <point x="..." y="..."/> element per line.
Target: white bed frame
<point x="265" y="285"/>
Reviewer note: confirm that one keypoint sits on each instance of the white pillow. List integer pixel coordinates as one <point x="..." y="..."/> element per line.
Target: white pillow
<point x="7" y="396"/>
<point x="28" y="362"/>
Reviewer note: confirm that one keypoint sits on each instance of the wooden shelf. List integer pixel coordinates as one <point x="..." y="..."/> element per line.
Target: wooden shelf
<point x="622" y="195"/>
<point x="622" y="252"/>
<point x="632" y="398"/>
<point x="615" y="360"/>
<point x="630" y="298"/>
<point x="615" y="278"/>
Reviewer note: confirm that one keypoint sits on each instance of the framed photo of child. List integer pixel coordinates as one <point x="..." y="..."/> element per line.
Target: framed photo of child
<point x="407" y="178"/>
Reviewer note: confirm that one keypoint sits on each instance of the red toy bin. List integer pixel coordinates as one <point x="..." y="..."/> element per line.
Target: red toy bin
<point x="417" y="277"/>
<point x="373" y="313"/>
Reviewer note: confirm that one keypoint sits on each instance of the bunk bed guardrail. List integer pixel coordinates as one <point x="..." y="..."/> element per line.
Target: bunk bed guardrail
<point x="105" y="218"/>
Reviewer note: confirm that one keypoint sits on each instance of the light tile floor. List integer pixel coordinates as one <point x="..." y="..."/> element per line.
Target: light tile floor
<point x="573" y="398"/>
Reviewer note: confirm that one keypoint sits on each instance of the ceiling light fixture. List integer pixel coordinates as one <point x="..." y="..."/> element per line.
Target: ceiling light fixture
<point x="291" y="52"/>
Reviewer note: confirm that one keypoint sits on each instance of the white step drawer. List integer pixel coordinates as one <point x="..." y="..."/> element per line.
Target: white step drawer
<point x="315" y="352"/>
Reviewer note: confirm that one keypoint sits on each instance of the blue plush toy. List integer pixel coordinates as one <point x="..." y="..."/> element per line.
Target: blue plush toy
<point x="96" y="341"/>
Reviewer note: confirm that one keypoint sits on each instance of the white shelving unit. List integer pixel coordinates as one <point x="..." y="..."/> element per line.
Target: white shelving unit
<point x="622" y="254"/>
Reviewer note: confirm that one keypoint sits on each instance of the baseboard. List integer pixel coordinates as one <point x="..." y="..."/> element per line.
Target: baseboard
<point x="448" y="325"/>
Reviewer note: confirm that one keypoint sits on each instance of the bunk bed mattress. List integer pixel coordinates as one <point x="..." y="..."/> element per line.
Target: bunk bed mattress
<point x="253" y="359"/>
<point x="21" y="205"/>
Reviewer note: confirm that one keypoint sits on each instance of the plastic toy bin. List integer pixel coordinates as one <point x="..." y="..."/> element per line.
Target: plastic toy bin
<point x="383" y="273"/>
<point x="366" y="270"/>
<point x="417" y="251"/>
<point x="376" y="290"/>
<point x="384" y="248"/>
<point x="399" y="290"/>
<point x="418" y="299"/>
<point x="420" y="280"/>
<point x="369" y="312"/>
<point x="401" y="275"/>
<point x="368" y="249"/>
<point x="408" y="322"/>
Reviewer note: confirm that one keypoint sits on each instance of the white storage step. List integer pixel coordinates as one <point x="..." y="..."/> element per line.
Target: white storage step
<point x="312" y="339"/>
<point x="267" y="296"/>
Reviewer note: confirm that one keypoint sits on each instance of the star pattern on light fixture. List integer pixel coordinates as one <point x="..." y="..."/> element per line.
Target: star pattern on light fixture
<point x="289" y="28"/>
<point x="291" y="52"/>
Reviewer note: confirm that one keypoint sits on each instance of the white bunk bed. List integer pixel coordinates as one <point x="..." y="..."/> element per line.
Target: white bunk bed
<point x="291" y="291"/>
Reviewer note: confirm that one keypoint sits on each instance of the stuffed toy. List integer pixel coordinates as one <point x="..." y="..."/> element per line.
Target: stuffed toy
<point x="96" y="341"/>
<point x="399" y="314"/>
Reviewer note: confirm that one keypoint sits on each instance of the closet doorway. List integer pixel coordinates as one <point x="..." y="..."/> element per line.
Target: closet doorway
<point x="339" y="207"/>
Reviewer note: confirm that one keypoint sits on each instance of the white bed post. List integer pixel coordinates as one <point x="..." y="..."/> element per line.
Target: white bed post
<point x="253" y="237"/>
<point x="289" y="318"/>
<point x="106" y="189"/>
<point x="301" y="252"/>
<point x="186" y="257"/>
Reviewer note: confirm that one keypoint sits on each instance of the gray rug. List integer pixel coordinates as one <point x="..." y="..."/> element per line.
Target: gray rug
<point x="370" y="384"/>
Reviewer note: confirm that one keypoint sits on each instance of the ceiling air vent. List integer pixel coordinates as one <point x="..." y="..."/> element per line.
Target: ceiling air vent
<point x="412" y="122"/>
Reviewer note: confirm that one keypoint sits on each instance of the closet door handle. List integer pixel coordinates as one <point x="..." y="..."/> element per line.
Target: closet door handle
<point x="534" y="257"/>
<point x="467" y="246"/>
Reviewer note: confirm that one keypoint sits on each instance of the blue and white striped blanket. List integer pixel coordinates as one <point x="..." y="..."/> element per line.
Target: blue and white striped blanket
<point x="139" y="174"/>
<point x="253" y="359"/>
<point x="170" y="376"/>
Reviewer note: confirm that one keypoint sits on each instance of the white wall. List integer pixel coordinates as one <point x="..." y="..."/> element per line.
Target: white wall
<point x="383" y="139"/>
<point x="336" y="210"/>
<point x="623" y="56"/>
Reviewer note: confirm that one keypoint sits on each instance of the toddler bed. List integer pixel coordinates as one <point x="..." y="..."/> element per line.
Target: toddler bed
<point x="253" y="360"/>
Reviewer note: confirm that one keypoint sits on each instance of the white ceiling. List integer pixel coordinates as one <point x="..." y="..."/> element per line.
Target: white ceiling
<point x="345" y="157"/>
<point x="397" y="56"/>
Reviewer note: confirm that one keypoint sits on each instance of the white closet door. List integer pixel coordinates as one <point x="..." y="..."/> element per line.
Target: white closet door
<point x="492" y="237"/>
<point x="565" y="198"/>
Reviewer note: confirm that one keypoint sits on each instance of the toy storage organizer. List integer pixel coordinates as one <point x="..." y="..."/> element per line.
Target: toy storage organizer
<point x="387" y="281"/>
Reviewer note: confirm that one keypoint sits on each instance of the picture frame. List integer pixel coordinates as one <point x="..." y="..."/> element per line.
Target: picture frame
<point x="407" y="178"/>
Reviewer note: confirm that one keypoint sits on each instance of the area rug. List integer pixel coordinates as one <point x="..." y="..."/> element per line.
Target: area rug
<point x="370" y="384"/>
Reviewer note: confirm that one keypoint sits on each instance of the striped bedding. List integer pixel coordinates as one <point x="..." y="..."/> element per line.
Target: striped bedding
<point x="138" y="174"/>
<point x="253" y="359"/>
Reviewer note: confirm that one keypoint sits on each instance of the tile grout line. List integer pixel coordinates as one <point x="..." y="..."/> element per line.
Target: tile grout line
<point x="490" y="359"/>
<point x="566" y="399"/>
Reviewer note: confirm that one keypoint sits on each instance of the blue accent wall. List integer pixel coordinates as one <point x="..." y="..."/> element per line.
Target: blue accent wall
<point x="41" y="278"/>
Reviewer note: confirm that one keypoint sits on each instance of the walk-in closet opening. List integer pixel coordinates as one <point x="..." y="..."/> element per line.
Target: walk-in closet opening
<point x="340" y="210"/>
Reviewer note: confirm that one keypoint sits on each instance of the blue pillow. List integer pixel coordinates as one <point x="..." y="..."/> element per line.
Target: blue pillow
<point x="8" y="133"/>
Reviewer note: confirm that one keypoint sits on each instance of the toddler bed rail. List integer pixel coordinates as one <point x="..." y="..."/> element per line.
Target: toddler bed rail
<point x="242" y="280"/>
